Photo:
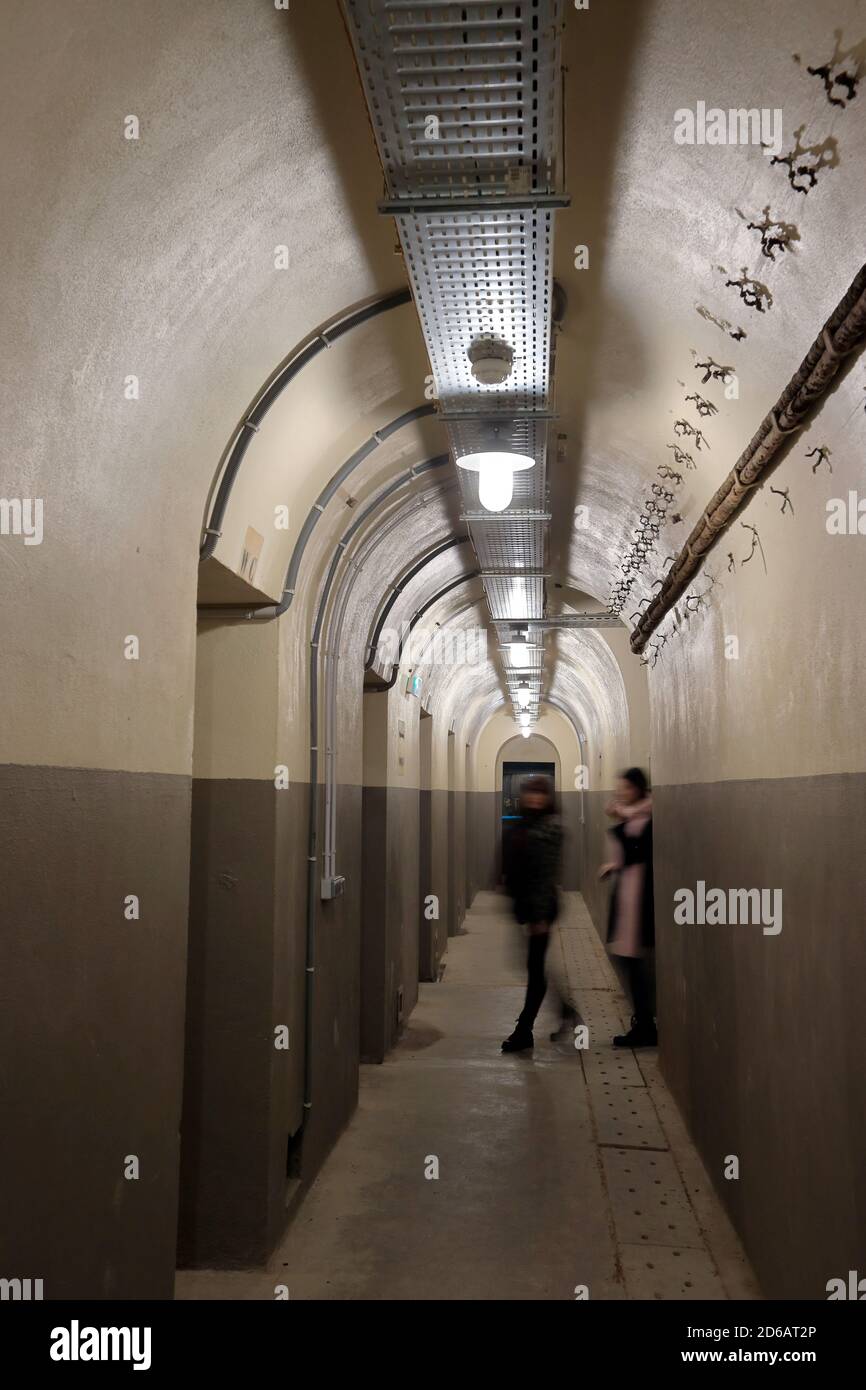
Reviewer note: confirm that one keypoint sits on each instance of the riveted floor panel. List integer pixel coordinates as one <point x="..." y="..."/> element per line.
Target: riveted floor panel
<point x="609" y="1066"/>
<point x="662" y="1272"/>
<point x="625" y="1115"/>
<point x="649" y="1202"/>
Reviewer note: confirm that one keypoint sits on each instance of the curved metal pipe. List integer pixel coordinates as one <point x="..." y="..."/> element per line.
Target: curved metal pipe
<point x="330" y="651"/>
<point x="457" y="612"/>
<point x="335" y="481"/>
<point x="417" y="469"/>
<point x="397" y="589"/>
<point x="416" y="617"/>
<point x="274" y="388"/>
<point x="313" y="821"/>
<point x="332" y="642"/>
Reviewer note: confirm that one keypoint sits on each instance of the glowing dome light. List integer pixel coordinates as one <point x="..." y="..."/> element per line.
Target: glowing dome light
<point x="495" y="487"/>
<point x="519" y="649"/>
<point x="495" y="476"/>
<point x="524" y="695"/>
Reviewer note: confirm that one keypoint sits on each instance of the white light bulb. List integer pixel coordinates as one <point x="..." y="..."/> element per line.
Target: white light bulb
<point x="524" y="720"/>
<point x="526" y="733"/>
<point x="519" y="654"/>
<point x="495" y="485"/>
<point x="524" y="695"/>
<point x="495" y="475"/>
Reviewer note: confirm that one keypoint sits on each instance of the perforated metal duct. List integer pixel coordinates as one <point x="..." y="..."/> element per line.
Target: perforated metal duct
<point x="465" y="106"/>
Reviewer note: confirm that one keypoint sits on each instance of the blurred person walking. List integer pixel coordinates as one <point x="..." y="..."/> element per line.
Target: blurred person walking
<point x="631" y="924"/>
<point x="531" y="855"/>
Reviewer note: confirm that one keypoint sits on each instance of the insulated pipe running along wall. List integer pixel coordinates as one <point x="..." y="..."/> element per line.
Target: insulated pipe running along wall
<point x="396" y="590"/>
<point x="325" y="496"/>
<point x="253" y="420"/>
<point x="330" y="648"/>
<point x="408" y="628"/>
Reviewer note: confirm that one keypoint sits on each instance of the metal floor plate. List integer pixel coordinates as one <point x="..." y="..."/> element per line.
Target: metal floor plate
<point x="661" y="1272"/>
<point x="625" y="1115"/>
<point x="611" y="1066"/>
<point x="603" y="1011"/>
<point x="649" y="1203"/>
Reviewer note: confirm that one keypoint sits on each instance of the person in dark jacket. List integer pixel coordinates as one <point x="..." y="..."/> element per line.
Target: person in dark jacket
<point x="631" y="929"/>
<point x="531" y="856"/>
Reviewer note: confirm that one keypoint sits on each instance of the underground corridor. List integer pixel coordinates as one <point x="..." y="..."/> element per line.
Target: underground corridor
<point x="434" y="773"/>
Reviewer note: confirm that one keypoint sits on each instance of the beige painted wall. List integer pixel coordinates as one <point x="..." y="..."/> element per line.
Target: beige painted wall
<point x="536" y="748"/>
<point x="554" y="740"/>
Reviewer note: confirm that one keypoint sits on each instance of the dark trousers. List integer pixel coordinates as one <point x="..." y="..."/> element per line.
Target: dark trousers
<point x="536" y="984"/>
<point x="640" y="988"/>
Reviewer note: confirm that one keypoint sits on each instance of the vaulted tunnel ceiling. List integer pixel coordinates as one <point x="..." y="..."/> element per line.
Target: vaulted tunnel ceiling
<point x="677" y="276"/>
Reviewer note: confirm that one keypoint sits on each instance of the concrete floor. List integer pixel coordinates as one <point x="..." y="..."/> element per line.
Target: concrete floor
<point x="557" y="1171"/>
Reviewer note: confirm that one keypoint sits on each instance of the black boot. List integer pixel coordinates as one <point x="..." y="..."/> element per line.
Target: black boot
<point x="521" y="1040"/>
<point x="641" y="1034"/>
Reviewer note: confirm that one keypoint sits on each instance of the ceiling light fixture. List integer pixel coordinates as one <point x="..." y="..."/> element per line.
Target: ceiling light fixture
<point x="520" y="649"/>
<point x="495" y="476"/>
<point x="524" y="695"/>
<point x="492" y="361"/>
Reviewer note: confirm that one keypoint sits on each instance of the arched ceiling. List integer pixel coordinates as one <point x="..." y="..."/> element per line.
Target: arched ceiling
<point x="665" y="226"/>
<point x="157" y="257"/>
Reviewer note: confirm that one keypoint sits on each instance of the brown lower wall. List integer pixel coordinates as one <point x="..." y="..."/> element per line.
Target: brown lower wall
<point x="593" y="852"/>
<point x="482" y="844"/>
<point x="572" y="852"/>
<point x="763" y="1037"/>
<point x="223" y="1208"/>
<point x="432" y="931"/>
<point x="443" y="822"/>
<point x="92" y="1027"/>
<point x="337" y="1006"/>
<point x="374" y="916"/>
<point x="404" y="914"/>
<point x="243" y="1097"/>
<point x="392" y="951"/>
